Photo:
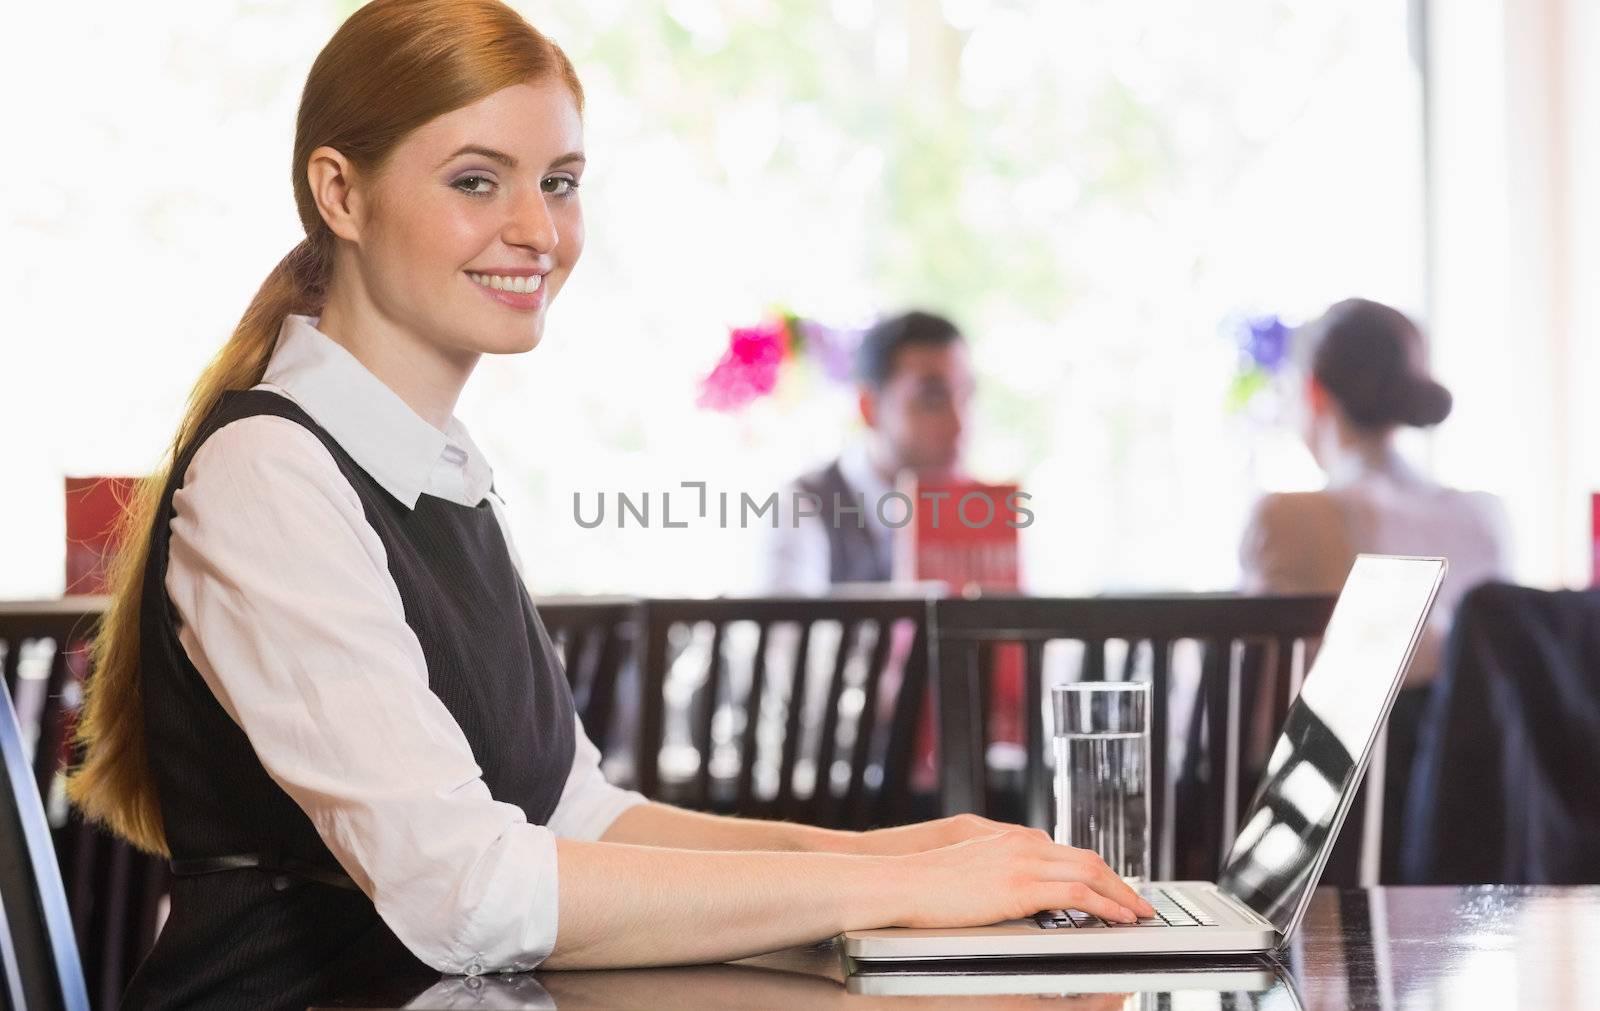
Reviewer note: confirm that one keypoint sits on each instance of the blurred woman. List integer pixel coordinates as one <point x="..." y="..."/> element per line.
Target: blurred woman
<point x="1368" y="378"/>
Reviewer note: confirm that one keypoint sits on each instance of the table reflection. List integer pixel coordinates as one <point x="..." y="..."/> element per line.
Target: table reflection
<point x="1105" y="988"/>
<point x="1384" y="949"/>
<point x="1449" y="949"/>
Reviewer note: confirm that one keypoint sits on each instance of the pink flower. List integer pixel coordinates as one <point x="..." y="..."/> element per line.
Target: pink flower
<point x="748" y="369"/>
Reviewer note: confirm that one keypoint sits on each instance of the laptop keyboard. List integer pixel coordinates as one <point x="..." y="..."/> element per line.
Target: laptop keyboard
<point x="1173" y="909"/>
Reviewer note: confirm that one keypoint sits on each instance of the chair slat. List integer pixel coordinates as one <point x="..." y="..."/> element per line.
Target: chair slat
<point x="904" y="729"/>
<point x="1214" y="691"/>
<point x="748" y="750"/>
<point x="1162" y="800"/>
<point x="704" y="726"/>
<point x="792" y="729"/>
<point x="1036" y="778"/>
<point x="1234" y="695"/>
<point x="1094" y="660"/>
<point x="822" y="806"/>
<point x="861" y="747"/>
<point x="652" y="649"/>
<point x="981" y="698"/>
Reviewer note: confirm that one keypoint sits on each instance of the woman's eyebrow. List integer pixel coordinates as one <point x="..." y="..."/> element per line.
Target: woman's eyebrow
<point x="509" y="161"/>
<point x="488" y="152"/>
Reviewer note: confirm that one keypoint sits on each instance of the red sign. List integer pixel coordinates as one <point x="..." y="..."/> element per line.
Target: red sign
<point x="961" y="533"/>
<point x="94" y="505"/>
<point x="964" y="534"/>
<point x="1594" y="539"/>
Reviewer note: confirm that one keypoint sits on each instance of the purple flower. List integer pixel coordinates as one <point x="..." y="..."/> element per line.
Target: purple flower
<point x="833" y="350"/>
<point x="1266" y="342"/>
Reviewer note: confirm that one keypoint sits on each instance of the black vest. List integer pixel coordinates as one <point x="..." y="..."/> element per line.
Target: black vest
<point x="853" y="552"/>
<point x="266" y="938"/>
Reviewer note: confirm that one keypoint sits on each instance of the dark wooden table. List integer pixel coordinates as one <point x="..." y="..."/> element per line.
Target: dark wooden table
<point x="1381" y="948"/>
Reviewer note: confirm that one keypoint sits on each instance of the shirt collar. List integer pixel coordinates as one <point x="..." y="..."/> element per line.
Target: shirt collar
<point x="1362" y="462"/>
<point x="855" y="466"/>
<point x="398" y="447"/>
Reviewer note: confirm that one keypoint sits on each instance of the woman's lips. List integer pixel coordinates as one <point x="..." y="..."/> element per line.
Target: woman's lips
<point x="507" y="289"/>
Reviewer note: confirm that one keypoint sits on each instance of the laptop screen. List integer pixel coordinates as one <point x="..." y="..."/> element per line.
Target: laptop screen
<point x="1285" y="836"/>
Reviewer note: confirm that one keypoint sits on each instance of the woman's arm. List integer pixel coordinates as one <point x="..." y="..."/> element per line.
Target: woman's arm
<point x="625" y="905"/>
<point x="655" y="824"/>
<point x="292" y="619"/>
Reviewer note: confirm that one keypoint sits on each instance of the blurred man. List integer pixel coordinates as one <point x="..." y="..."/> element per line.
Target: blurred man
<point x="915" y="387"/>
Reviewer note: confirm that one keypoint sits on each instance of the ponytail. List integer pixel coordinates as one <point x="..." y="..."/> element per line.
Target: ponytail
<point x="113" y="786"/>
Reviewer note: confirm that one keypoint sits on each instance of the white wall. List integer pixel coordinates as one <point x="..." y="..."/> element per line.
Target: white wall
<point x="1514" y="142"/>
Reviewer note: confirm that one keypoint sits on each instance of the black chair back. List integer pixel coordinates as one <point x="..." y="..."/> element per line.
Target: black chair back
<point x="596" y="637"/>
<point x="1249" y="653"/>
<point x="804" y="709"/>
<point x="39" y="964"/>
<point x="1504" y="789"/>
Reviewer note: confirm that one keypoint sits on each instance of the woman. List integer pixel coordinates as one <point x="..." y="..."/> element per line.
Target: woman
<point x="321" y="688"/>
<point x="1367" y="379"/>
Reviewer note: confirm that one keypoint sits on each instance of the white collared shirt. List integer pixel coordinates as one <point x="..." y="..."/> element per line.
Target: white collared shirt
<point x="288" y="611"/>
<point x="1305" y="542"/>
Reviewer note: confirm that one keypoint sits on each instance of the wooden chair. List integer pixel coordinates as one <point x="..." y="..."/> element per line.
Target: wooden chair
<point x="804" y="709"/>
<point x="595" y="637"/>
<point x="39" y="967"/>
<point x="1251" y="653"/>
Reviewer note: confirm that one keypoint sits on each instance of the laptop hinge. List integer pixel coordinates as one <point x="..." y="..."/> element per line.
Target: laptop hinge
<point x="1243" y="908"/>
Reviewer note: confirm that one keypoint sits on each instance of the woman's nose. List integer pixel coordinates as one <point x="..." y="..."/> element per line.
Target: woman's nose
<point x="532" y="225"/>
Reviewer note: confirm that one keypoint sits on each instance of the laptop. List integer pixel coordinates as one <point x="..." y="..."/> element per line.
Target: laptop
<point x="1290" y="828"/>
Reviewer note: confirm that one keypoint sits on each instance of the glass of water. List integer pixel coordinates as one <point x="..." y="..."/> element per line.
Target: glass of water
<point x="1102" y="756"/>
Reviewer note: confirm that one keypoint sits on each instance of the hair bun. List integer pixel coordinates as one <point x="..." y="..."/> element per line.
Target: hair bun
<point x="1370" y="358"/>
<point x="1427" y="403"/>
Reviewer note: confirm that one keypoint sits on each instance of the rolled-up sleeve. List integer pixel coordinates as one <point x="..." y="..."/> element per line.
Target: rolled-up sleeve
<point x="589" y="804"/>
<point x="289" y="613"/>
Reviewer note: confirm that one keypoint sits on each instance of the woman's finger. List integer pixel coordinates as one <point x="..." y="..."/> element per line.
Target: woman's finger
<point x="1110" y="884"/>
<point x="1128" y="895"/>
<point x="1078" y="895"/>
<point x="1086" y="866"/>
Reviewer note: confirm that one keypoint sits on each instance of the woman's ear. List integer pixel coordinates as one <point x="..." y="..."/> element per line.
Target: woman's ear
<point x="331" y="176"/>
<point x="1317" y="397"/>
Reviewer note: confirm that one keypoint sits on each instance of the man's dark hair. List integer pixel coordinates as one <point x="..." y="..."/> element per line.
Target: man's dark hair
<point x="875" y="358"/>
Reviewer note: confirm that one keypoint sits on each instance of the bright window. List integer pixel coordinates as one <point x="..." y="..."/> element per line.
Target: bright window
<point x="1090" y="187"/>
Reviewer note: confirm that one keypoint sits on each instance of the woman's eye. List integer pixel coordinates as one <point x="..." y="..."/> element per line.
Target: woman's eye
<point x="560" y="186"/>
<point x="469" y="185"/>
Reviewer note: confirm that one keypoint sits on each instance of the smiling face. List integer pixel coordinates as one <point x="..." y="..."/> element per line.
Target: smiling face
<point x="473" y="224"/>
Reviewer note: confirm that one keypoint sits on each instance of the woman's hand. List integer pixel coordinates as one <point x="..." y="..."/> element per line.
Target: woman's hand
<point x="927" y="835"/>
<point x="1008" y="875"/>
